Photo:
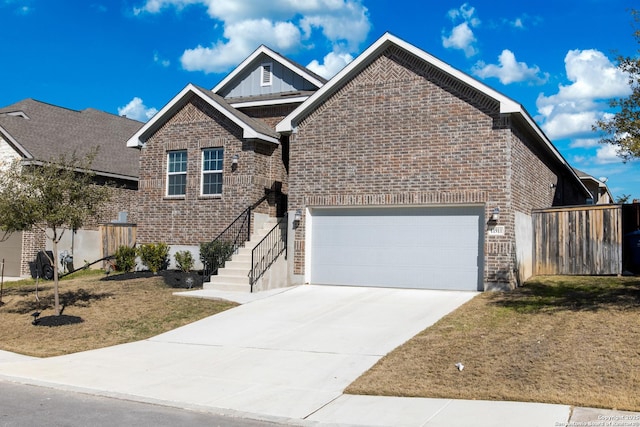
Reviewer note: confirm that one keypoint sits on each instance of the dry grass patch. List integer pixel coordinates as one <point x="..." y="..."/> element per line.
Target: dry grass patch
<point x="98" y="312"/>
<point x="569" y="340"/>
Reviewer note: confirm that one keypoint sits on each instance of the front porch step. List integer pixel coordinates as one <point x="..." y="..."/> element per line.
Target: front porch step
<point x="235" y="274"/>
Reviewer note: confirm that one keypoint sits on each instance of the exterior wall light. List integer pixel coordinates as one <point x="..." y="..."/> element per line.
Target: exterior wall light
<point x="495" y="215"/>
<point x="234" y="162"/>
<point x="297" y="216"/>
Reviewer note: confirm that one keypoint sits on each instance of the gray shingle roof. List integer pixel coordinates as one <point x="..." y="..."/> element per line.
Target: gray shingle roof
<point x="49" y="131"/>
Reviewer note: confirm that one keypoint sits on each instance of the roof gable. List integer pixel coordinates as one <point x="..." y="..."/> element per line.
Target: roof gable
<point x="506" y="104"/>
<point x="265" y="73"/>
<point x="251" y="128"/>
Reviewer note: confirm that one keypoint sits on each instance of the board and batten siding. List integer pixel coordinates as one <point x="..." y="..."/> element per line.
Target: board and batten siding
<point x="283" y="80"/>
<point x="585" y="240"/>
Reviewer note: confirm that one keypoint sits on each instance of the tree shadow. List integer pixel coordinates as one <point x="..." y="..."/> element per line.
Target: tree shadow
<point x="79" y="297"/>
<point x="571" y="295"/>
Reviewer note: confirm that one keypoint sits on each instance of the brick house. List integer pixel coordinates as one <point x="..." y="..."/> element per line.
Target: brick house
<point x="210" y="154"/>
<point x="399" y="171"/>
<point x="34" y="132"/>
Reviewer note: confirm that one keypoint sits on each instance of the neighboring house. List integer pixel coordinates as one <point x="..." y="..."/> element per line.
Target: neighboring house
<point x="600" y="194"/>
<point x="400" y="171"/>
<point x="32" y="132"/>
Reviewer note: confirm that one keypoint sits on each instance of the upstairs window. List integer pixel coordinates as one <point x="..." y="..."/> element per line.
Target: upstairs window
<point x="177" y="173"/>
<point x="212" y="161"/>
<point x="266" y="76"/>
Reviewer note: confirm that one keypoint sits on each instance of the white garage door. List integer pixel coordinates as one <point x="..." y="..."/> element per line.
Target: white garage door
<point x="432" y="248"/>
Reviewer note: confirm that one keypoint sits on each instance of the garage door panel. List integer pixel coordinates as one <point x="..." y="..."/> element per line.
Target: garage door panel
<point x="397" y="247"/>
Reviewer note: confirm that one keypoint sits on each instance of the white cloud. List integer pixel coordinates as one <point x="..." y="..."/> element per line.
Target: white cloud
<point x="464" y="12"/>
<point x="158" y="60"/>
<point x="333" y="63"/>
<point x="285" y="25"/>
<point x="461" y="36"/>
<point x="136" y="110"/>
<point x="243" y="38"/>
<point x="509" y="70"/>
<point x="575" y="108"/>
<point x="584" y="143"/>
<point x="517" y="23"/>
<point x="607" y="154"/>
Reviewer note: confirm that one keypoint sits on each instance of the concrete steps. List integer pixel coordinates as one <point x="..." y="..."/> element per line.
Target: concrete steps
<point x="235" y="274"/>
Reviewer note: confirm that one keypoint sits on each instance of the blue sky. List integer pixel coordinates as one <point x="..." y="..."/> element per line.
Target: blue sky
<point x="555" y="57"/>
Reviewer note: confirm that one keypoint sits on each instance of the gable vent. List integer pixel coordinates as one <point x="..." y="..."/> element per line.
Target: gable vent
<point x="266" y="76"/>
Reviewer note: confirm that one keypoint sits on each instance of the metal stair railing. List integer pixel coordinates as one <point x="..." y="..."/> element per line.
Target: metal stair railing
<point x="235" y="235"/>
<point x="267" y="251"/>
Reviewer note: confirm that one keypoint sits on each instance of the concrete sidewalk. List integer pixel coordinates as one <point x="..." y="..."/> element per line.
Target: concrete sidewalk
<point x="284" y="357"/>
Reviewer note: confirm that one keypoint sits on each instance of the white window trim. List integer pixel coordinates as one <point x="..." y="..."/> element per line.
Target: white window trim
<point x="166" y="192"/>
<point x="204" y="172"/>
<point x="263" y="66"/>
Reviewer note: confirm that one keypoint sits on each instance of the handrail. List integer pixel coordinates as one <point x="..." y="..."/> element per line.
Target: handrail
<point x="237" y="233"/>
<point x="265" y="253"/>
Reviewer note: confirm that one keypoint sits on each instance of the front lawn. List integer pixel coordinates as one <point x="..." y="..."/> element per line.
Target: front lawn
<point x="99" y="311"/>
<point x="558" y="339"/>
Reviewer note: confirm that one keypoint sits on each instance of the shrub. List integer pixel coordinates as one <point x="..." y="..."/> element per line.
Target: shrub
<point x="154" y="255"/>
<point x="214" y="254"/>
<point x="125" y="258"/>
<point x="184" y="261"/>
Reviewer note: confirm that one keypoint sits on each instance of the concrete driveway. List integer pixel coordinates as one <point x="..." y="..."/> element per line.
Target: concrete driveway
<point x="285" y="356"/>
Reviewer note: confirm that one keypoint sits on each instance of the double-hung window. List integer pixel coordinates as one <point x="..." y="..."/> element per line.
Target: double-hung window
<point x="212" y="160"/>
<point x="177" y="173"/>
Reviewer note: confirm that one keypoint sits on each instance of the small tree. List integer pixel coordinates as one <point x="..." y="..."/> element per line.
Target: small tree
<point x="52" y="197"/>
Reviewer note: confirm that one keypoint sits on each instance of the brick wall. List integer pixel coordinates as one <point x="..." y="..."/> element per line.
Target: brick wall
<point x="403" y="133"/>
<point x="193" y="219"/>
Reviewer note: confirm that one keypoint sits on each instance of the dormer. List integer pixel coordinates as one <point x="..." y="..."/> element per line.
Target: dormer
<point x="21" y="114"/>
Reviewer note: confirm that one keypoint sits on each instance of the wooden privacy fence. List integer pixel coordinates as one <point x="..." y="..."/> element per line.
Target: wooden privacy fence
<point x="585" y="240"/>
<point x="115" y="235"/>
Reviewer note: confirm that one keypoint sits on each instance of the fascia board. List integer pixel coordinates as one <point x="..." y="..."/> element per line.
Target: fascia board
<point x="17" y="146"/>
<point x="250" y="133"/>
<point x="138" y="139"/>
<point x="29" y="162"/>
<point x="270" y="102"/>
<point x="507" y="105"/>
<point x="273" y="55"/>
<point x="534" y="126"/>
<point x="247" y="131"/>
